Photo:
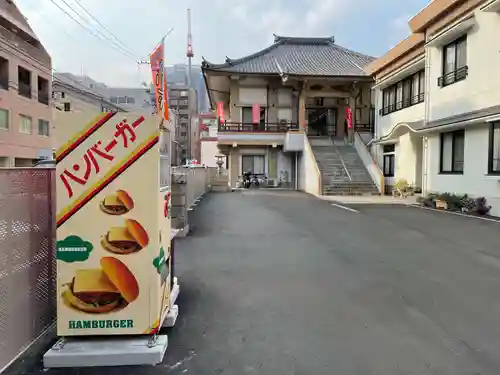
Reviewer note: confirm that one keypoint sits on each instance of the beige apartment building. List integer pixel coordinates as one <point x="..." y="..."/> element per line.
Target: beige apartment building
<point x="26" y="133"/>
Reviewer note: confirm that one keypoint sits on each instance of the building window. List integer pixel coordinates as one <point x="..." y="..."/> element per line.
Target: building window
<point x="403" y="94"/>
<point x="43" y="127"/>
<point x="4" y="119"/>
<point x="452" y="152"/>
<point x="67" y="107"/>
<point x="63" y="95"/>
<point x="130" y="100"/>
<point x="4" y="74"/>
<point x="253" y="163"/>
<point x="43" y="90"/>
<point x="494" y="149"/>
<point x="247" y="117"/>
<point x="113" y="99"/>
<point x="24" y="82"/>
<point x="122" y="100"/>
<point x="389" y="157"/>
<point x="454" y="62"/>
<point x="25" y="124"/>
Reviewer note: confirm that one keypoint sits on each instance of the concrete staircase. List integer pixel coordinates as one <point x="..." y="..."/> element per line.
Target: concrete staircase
<point x="342" y="171"/>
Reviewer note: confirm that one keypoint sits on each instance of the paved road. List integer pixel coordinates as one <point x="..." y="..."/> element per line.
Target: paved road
<point x="281" y="283"/>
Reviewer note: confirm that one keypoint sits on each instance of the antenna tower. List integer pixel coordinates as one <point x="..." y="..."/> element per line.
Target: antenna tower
<point x="189" y="53"/>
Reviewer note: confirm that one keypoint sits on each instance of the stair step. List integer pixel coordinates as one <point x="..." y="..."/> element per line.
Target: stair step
<point x="333" y="160"/>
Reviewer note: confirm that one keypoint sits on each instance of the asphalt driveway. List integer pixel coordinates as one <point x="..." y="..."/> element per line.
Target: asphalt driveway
<point x="282" y="283"/>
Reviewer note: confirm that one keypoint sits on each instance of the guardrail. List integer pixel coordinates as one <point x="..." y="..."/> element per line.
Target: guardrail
<point x="27" y="253"/>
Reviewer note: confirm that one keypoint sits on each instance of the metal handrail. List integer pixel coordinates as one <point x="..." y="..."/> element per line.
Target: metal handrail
<point x="343" y="164"/>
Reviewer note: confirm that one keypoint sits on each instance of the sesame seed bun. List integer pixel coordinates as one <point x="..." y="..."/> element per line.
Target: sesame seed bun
<point x="125" y="198"/>
<point x="138" y="232"/>
<point x="121" y="277"/>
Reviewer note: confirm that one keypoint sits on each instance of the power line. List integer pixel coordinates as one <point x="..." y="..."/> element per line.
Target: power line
<point x="114" y="45"/>
<point x="123" y="50"/>
<point x="100" y="24"/>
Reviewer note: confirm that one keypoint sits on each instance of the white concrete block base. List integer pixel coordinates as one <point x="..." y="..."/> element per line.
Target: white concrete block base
<point x="183" y="232"/>
<point x="174" y="293"/>
<point x="173" y="313"/>
<point x="171" y="317"/>
<point x="113" y="351"/>
<point x="106" y="351"/>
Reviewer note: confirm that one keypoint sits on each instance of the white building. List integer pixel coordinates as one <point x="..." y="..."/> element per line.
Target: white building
<point x="70" y="96"/>
<point x="208" y="140"/>
<point x="445" y="130"/>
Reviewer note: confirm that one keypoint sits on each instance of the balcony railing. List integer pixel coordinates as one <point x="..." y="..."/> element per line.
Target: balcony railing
<point x="402" y="104"/>
<point x="363" y="128"/>
<point x="268" y="127"/>
<point x="457" y="75"/>
<point x="43" y="98"/>
<point x="24" y="89"/>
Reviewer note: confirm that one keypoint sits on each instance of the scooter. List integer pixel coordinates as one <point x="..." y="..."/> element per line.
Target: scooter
<point x="250" y="180"/>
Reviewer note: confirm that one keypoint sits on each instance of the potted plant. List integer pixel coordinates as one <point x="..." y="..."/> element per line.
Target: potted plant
<point x="482" y="207"/>
<point x="441" y="201"/>
<point x="467" y="204"/>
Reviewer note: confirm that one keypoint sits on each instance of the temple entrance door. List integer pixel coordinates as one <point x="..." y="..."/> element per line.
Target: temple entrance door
<point x="322" y="121"/>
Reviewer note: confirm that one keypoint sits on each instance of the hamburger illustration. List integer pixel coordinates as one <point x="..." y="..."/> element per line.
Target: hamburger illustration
<point x="126" y="240"/>
<point x="103" y="290"/>
<point x="118" y="203"/>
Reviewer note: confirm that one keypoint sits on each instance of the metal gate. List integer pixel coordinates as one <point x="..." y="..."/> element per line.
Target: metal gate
<point x="27" y="258"/>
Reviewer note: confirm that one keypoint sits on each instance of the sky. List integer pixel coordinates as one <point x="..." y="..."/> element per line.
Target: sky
<point x="220" y="28"/>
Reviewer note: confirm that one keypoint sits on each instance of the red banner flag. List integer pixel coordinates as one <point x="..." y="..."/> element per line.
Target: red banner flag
<point x="256" y="113"/>
<point x="157" y="62"/>
<point x="348" y="117"/>
<point x="220" y="111"/>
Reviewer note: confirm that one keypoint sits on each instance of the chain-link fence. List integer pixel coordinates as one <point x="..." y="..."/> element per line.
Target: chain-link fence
<point x="27" y="258"/>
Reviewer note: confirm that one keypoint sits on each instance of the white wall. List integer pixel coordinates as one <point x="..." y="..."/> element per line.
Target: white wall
<point x="208" y="151"/>
<point x="285" y="164"/>
<point x="309" y="177"/>
<point x="406" y="159"/>
<point x="474" y="181"/>
<point x="481" y="88"/>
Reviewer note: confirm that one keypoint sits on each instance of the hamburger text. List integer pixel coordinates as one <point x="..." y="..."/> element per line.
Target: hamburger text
<point x="73" y="249"/>
<point x="88" y="324"/>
